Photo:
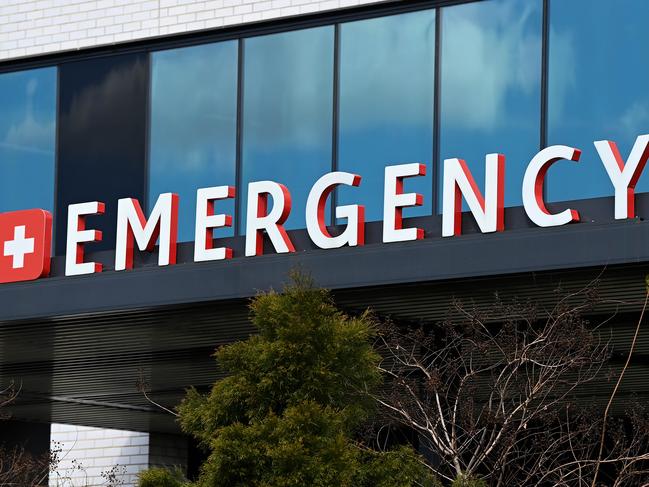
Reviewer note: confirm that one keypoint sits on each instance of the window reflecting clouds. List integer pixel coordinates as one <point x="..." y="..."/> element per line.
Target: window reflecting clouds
<point x="386" y="105"/>
<point x="490" y="86"/>
<point x="193" y="127"/>
<point x="287" y="119"/>
<point x="27" y="139"/>
<point x="598" y="81"/>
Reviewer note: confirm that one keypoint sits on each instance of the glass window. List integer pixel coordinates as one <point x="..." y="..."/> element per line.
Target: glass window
<point x="102" y="133"/>
<point x="193" y="127"/>
<point x="598" y="81"/>
<point x="27" y="139"/>
<point x="491" y="87"/>
<point x="386" y="105"/>
<point x="287" y="119"/>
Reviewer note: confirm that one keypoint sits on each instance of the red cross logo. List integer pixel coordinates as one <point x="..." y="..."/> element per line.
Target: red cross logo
<point x="25" y="245"/>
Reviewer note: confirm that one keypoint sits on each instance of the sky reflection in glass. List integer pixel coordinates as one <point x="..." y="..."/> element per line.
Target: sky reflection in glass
<point x="193" y="127"/>
<point x="287" y="119"/>
<point x="27" y="139"/>
<point x="386" y="105"/>
<point x="597" y="89"/>
<point x="491" y="87"/>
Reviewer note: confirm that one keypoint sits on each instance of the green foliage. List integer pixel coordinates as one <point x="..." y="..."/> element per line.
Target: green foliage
<point x="396" y="468"/>
<point x="160" y="477"/>
<point x="285" y="414"/>
<point x="463" y="481"/>
<point x="306" y="445"/>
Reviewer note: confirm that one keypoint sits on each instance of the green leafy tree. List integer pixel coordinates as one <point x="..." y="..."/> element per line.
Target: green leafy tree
<point x="286" y="413"/>
<point x="160" y="477"/>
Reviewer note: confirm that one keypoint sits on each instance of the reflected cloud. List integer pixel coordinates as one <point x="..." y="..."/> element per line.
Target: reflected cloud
<point x="27" y="139"/>
<point x="30" y="130"/>
<point x="635" y="116"/>
<point x="562" y="73"/>
<point x="31" y="136"/>
<point x="491" y="42"/>
<point x="194" y="106"/>
<point x="32" y="84"/>
<point x="288" y="96"/>
<point x="387" y="71"/>
<point x="193" y="125"/>
<point x="89" y="107"/>
<point x="597" y="89"/>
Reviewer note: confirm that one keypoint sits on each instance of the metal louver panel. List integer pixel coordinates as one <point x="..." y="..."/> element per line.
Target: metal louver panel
<point x="83" y="369"/>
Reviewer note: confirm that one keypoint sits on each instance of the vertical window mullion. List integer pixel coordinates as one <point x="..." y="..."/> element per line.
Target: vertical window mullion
<point x="147" y="135"/>
<point x="55" y="206"/>
<point x="336" y="107"/>
<point x="436" y="169"/>
<point x="545" y="39"/>
<point x="238" y="176"/>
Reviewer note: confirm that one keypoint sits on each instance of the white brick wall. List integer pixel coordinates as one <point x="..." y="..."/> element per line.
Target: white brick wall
<point x="30" y="27"/>
<point x="85" y="453"/>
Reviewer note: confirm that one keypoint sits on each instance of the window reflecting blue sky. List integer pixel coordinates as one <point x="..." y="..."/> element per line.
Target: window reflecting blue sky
<point x="287" y="119"/>
<point x="491" y="87"/>
<point x="193" y="127"/>
<point x="27" y="139"/>
<point x="598" y="89"/>
<point x="386" y="105"/>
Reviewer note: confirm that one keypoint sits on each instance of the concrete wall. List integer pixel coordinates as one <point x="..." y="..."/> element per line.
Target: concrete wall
<point x="85" y="453"/>
<point x="29" y="27"/>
